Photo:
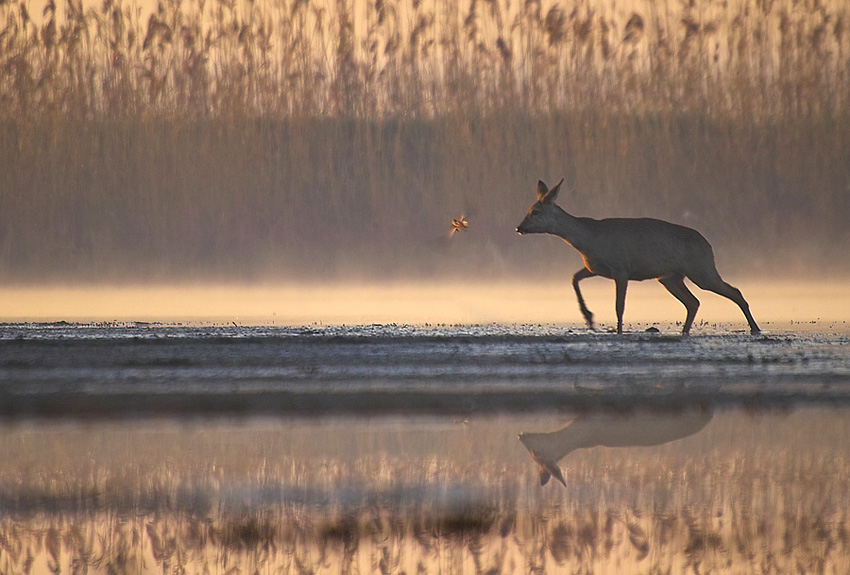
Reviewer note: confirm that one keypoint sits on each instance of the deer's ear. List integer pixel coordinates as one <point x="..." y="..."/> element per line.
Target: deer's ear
<point x="542" y="190"/>
<point x="550" y="195"/>
<point x="544" y="475"/>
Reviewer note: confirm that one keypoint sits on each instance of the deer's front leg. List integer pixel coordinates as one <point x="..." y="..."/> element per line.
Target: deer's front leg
<point x="621" y="302"/>
<point x="577" y="277"/>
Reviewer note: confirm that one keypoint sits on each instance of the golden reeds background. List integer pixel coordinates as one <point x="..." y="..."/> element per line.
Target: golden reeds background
<point x="294" y="138"/>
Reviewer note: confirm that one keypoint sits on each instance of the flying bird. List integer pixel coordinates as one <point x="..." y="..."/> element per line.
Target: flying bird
<point x="444" y="241"/>
<point x="459" y="225"/>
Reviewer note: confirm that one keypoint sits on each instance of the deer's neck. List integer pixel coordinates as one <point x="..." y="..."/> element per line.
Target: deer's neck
<point x="572" y="230"/>
<point x="556" y="445"/>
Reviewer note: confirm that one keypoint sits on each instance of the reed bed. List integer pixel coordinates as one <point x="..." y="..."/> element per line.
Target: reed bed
<point x="301" y="139"/>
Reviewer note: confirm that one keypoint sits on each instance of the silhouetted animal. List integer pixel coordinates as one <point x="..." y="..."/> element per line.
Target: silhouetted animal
<point x="624" y="249"/>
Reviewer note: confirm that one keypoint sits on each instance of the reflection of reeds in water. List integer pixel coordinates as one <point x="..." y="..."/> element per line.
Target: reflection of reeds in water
<point x="761" y="493"/>
<point x="208" y="136"/>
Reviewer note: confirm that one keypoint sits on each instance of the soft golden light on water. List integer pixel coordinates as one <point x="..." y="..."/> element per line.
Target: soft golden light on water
<point x="825" y="305"/>
<point x="424" y="496"/>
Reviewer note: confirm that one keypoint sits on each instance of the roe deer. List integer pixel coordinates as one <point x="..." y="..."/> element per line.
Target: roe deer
<point x="640" y="429"/>
<point x="624" y="249"/>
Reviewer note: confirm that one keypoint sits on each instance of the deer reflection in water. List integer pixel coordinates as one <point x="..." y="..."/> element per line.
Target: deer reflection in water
<point x="607" y="429"/>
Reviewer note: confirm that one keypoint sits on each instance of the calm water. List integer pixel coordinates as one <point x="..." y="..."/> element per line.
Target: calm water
<point x="147" y="448"/>
<point x="122" y="370"/>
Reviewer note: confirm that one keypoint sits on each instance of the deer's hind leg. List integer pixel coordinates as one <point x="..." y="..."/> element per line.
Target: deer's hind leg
<point x="676" y="286"/>
<point x="581" y="274"/>
<point x="717" y="285"/>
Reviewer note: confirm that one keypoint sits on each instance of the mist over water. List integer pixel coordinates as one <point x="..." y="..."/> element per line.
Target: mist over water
<point x="368" y="200"/>
<point x="778" y="306"/>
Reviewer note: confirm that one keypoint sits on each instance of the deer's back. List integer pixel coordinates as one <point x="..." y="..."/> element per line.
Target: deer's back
<point x="644" y="248"/>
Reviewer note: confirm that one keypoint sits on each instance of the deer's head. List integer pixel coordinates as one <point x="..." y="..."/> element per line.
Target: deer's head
<point x="541" y="216"/>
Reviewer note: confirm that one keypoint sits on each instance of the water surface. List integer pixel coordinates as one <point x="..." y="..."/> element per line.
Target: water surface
<point x="134" y="447"/>
<point x="746" y="491"/>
